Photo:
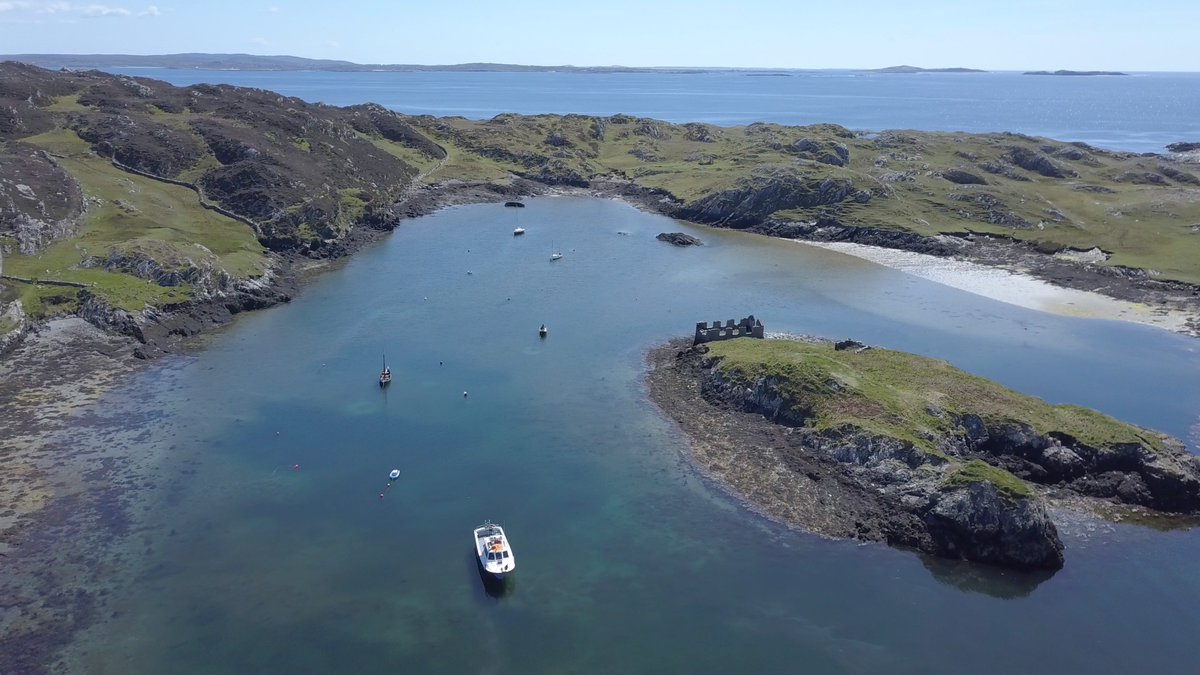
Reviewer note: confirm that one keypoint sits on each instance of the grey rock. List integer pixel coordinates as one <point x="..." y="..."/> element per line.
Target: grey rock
<point x="679" y="239"/>
<point x="976" y="522"/>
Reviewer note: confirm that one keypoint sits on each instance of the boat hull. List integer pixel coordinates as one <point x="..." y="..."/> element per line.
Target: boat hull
<point x="493" y="552"/>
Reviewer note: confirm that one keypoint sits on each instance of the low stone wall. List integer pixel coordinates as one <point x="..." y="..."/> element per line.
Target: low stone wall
<point x="747" y="327"/>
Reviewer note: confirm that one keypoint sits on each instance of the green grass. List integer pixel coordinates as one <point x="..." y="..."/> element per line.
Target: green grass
<point x="978" y="471"/>
<point x="67" y="104"/>
<point x="135" y="214"/>
<point x="892" y="393"/>
<point x="46" y="301"/>
<point x="1143" y="226"/>
<point x="402" y="152"/>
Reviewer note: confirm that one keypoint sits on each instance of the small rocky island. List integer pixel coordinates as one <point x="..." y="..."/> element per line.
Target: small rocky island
<point x="679" y="239"/>
<point x="850" y="441"/>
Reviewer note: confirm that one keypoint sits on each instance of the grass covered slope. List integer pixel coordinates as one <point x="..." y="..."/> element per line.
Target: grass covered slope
<point x="1138" y="210"/>
<point x="979" y="429"/>
<point x="142" y="194"/>
<point x="905" y="396"/>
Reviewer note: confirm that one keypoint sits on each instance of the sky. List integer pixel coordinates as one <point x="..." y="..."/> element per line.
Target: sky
<point x="1153" y="35"/>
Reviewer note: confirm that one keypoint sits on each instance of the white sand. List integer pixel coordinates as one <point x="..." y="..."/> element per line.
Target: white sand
<point x="1012" y="287"/>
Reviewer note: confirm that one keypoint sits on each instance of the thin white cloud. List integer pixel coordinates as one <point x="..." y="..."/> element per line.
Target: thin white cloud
<point x="67" y="9"/>
<point x="105" y="10"/>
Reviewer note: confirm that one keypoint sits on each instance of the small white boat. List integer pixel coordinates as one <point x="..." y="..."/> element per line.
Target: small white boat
<point x="542" y="331"/>
<point x="495" y="555"/>
<point x="394" y="474"/>
<point x="518" y="232"/>
<point x="555" y="256"/>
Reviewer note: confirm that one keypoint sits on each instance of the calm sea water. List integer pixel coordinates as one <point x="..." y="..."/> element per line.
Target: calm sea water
<point x="628" y="561"/>
<point x="1141" y="112"/>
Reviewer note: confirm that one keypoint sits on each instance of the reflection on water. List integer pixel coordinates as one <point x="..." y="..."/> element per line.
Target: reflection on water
<point x="985" y="579"/>
<point x="492" y="587"/>
<point x="255" y="565"/>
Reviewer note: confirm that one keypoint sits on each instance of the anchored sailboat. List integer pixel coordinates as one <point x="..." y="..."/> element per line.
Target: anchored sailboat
<point x="385" y="377"/>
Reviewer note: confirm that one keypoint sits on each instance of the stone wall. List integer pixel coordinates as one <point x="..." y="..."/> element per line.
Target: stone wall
<point x="747" y="327"/>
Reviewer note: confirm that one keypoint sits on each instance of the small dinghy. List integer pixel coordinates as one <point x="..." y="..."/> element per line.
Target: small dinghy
<point x="518" y="232"/>
<point x="542" y="331"/>
<point x="394" y="474"/>
<point x="495" y="555"/>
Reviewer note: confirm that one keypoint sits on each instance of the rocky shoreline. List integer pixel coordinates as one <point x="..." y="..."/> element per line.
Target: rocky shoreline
<point x="871" y="488"/>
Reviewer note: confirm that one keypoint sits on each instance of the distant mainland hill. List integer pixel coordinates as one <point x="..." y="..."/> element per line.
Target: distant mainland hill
<point x="200" y="61"/>
<point x="903" y="70"/>
<point x="1074" y="72"/>
<point x="258" y="62"/>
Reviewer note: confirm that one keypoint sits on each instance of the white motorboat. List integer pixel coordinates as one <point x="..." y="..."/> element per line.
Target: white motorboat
<point x="518" y="232"/>
<point x="542" y="331"/>
<point x="555" y="256"/>
<point x="395" y="473"/>
<point x="495" y="555"/>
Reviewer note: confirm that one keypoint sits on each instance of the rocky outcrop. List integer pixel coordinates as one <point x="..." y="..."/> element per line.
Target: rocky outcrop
<point x="1178" y="175"/>
<point x="1166" y="478"/>
<point x="679" y="239"/>
<point x="825" y="229"/>
<point x="40" y="203"/>
<point x="970" y="520"/>
<point x="1036" y="162"/>
<point x="962" y="177"/>
<point x="825" y="152"/>
<point x="977" y="522"/>
<point x="756" y="198"/>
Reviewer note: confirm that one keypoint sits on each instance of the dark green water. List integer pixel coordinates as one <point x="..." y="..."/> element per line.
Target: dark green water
<point x="627" y="560"/>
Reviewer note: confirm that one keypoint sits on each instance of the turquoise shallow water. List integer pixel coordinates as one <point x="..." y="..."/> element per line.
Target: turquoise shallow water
<point x="628" y="561"/>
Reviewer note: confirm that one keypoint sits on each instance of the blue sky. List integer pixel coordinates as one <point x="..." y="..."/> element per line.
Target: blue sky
<point x="1011" y="35"/>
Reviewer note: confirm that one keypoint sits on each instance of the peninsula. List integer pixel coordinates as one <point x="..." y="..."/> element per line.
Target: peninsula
<point x="851" y="441"/>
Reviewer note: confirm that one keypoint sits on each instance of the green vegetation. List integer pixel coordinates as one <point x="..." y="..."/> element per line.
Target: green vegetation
<point x="133" y="215"/>
<point x="1139" y="209"/>
<point x="979" y="471"/>
<point x="905" y="396"/>
<point x="66" y="104"/>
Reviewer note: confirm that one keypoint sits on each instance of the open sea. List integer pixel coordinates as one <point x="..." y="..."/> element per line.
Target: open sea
<point x="1141" y="112"/>
<point x="254" y="538"/>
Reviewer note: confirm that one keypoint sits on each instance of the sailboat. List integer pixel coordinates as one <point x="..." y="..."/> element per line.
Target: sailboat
<point x="385" y="377"/>
<point x="554" y="255"/>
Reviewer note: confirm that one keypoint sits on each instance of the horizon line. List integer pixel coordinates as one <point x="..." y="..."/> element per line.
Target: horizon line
<point x="43" y="55"/>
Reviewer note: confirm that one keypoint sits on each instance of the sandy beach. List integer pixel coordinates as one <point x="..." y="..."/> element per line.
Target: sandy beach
<point x="1014" y="287"/>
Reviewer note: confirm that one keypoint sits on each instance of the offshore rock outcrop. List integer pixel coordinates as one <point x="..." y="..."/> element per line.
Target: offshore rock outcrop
<point x="679" y="239"/>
